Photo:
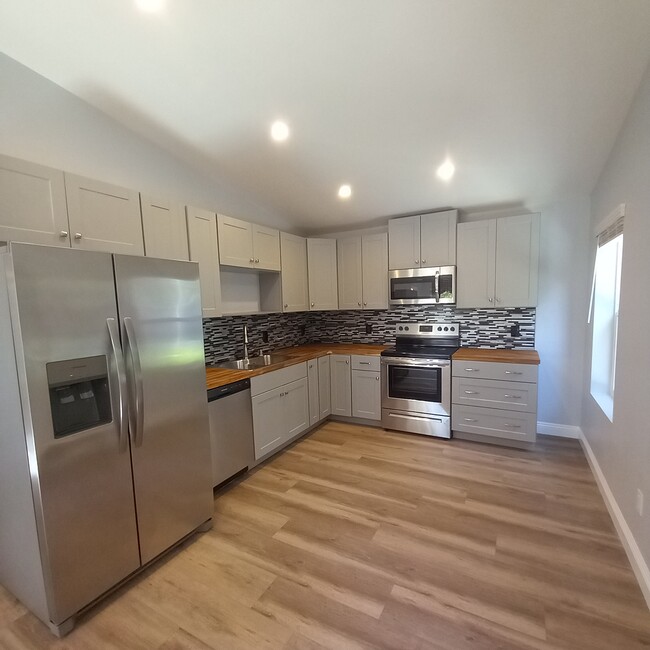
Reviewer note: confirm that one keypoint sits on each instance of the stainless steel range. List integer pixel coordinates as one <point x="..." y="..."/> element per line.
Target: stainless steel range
<point x="416" y="378"/>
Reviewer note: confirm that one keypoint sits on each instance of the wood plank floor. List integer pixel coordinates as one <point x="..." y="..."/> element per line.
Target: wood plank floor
<point x="360" y="538"/>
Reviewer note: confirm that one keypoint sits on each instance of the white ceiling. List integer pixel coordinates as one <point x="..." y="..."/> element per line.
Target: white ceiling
<point x="526" y="96"/>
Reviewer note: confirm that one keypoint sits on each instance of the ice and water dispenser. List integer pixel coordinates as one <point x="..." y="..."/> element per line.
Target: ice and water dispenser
<point x="79" y="394"/>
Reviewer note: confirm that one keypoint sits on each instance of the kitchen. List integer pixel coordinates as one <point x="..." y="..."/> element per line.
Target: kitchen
<point x="95" y="146"/>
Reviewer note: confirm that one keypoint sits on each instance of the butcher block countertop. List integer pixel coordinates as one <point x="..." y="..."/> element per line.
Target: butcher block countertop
<point x="496" y="355"/>
<point x="221" y="376"/>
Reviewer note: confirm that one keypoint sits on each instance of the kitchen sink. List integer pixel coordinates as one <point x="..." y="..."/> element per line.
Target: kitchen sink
<point x="253" y="362"/>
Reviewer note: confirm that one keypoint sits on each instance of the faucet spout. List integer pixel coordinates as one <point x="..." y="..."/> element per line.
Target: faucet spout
<point x="245" y="342"/>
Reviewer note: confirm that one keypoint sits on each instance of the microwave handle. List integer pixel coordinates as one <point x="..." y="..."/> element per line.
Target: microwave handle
<point x="436" y="286"/>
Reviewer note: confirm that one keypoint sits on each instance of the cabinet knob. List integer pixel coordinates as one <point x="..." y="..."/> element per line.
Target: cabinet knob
<point x="377" y="378"/>
<point x="286" y="305"/>
<point x="313" y="304"/>
<point x="365" y="304"/>
<point x="424" y="261"/>
<point x="359" y="304"/>
<point x="252" y="260"/>
<point x="417" y="261"/>
<point x="63" y="234"/>
<point x="257" y="260"/>
<point x="498" y="299"/>
<point x="489" y="299"/>
<point x="77" y="235"/>
<point x="347" y="362"/>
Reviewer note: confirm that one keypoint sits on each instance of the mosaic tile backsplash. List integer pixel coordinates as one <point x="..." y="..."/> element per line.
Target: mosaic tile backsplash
<point x="478" y="327"/>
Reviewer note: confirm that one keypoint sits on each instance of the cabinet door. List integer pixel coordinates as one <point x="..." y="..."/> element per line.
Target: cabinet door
<point x="349" y="273"/>
<point x="295" y="405"/>
<point x="235" y="242"/>
<point x="404" y="243"/>
<point x="312" y="382"/>
<point x="202" y="235"/>
<point x="165" y="229"/>
<point x="366" y="395"/>
<point x="517" y="258"/>
<point x="374" y="256"/>
<point x="341" y="384"/>
<point x="438" y="238"/>
<point x="269" y="429"/>
<point x="32" y="204"/>
<point x="324" y="387"/>
<point x="266" y="248"/>
<point x="103" y="217"/>
<point x="476" y="248"/>
<point x="323" y="284"/>
<point x="295" y="291"/>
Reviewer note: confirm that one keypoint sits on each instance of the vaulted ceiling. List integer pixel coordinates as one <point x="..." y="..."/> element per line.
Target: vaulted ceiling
<point x="525" y="96"/>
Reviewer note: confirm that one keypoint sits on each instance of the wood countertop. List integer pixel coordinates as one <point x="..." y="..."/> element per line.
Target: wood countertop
<point x="216" y="377"/>
<point x="496" y="355"/>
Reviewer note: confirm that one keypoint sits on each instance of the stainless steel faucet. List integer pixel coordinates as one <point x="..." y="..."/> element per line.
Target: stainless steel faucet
<point x="245" y="342"/>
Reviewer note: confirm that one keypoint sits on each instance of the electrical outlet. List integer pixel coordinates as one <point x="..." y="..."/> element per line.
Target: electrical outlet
<point x="514" y="329"/>
<point x="265" y="337"/>
<point x="368" y="328"/>
<point x="639" y="502"/>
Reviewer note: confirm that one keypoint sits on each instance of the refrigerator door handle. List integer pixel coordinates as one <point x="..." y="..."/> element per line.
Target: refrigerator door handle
<point x="136" y="415"/>
<point x="121" y="381"/>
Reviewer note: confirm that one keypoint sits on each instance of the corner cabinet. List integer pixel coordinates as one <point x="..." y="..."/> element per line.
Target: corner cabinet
<point x="363" y="272"/>
<point x="165" y="228"/>
<point x="423" y="240"/>
<point x="498" y="262"/>
<point x="202" y="236"/>
<point x="248" y="245"/>
<point x="295" y="288"/>
<point x="322" y="270"/>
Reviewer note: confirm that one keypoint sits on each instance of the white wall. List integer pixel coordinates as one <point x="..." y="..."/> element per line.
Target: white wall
<point x="43" y="123"/>
<point x="622" y="447"/>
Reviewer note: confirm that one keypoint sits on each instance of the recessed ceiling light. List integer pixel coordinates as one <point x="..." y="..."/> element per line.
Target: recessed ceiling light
<point x="345" y="192"/>
<point x="150" y="6"/>
<point x="279" y="131"/>
<point x="446" y="170"/>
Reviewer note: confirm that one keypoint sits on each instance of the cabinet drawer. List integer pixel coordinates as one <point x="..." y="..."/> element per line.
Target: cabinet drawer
<point x="365" y="362"/>
<point x="277" y="378"/>
<point x="492" y="393"/>
<point x="495" y="423"/>
<point x="491" y="370"/>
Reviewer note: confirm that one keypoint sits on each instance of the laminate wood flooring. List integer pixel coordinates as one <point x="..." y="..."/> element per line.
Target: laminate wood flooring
<point x="360" y="538"/>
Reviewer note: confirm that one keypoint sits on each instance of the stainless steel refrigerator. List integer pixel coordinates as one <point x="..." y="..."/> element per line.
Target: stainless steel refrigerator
<point x="104" y="436"/>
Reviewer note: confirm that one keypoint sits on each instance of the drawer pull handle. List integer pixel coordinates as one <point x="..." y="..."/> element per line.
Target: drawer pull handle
<point x="472" y="370"/>
<point x="513" y="396"/>
<point x="470" y="420"/>
<point x="472" y="392"/>
<point x="364" y="363"/>
<point x="513" y="372"/>
<point x="512" y="426"/>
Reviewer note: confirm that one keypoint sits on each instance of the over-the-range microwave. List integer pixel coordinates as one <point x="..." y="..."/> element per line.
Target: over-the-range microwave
<point x="426" y="286"/>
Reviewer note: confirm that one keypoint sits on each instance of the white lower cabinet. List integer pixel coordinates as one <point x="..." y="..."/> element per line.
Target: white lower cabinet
<point x="494" y="400"/>
<point x="341" y="384"/>
<point x="366" y="387"/>
<point x="313" y="384"/>
<point x="324" y="389"/>
<point x="280" y="407"/>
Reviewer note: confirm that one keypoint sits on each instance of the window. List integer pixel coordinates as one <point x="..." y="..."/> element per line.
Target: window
<point x="605" y="300"/>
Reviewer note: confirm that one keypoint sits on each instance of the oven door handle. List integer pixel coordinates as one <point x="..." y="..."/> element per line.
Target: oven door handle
<point x="414" y="363"/>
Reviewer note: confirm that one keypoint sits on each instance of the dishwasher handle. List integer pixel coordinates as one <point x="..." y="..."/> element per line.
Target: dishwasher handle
<point x="228" y="389"/>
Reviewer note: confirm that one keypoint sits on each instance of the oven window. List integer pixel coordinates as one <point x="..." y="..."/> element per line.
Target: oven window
<point x="422" y="384"/>
<point x="412" y="288"/>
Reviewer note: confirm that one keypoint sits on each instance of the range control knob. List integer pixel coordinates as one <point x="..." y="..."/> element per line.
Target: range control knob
<point x="400" y="328"/>
<point x="439" y="328"/>
<point x="446" y="329"/>
<point x="453" y="329"/>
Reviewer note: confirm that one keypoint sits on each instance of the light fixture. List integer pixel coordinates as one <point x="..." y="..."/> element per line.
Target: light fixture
<point x="150" y="6"/>
<point x="279" y="131"/>
<point x="345" y="192"/>
<point x="446" y="170"/>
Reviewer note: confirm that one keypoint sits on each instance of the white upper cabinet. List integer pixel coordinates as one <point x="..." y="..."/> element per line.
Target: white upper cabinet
<point x="374" y="258"/>
<point x="103" y="217"/>
<point x="202" y="235"/>
<point x="363" y="272"/>
<point x="498" y="262"/>
<point x="323" y="284"/>
<point x="295" y="289"/>
<point x="248" y="245"/>
<point x="32" y="203"/>
<point x="165" y="229"/>
<point x="350" y="276"/>
<point x="425" y="240"/>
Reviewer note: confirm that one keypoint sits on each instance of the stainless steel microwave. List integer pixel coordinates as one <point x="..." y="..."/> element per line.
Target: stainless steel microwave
<point x="426" y="286"/>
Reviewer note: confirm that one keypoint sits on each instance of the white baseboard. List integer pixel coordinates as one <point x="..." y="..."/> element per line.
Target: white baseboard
<point x="639" y="565"/>
<point x="560" y="430"/>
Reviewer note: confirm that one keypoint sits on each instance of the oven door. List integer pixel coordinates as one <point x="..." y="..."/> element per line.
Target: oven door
<point x="417" y="385"/>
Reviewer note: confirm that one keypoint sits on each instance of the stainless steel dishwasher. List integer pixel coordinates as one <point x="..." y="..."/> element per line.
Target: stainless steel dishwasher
<point x="231" y="430"/>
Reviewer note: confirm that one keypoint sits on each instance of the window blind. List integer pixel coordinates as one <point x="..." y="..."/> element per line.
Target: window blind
<point x="610" y="232"/>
